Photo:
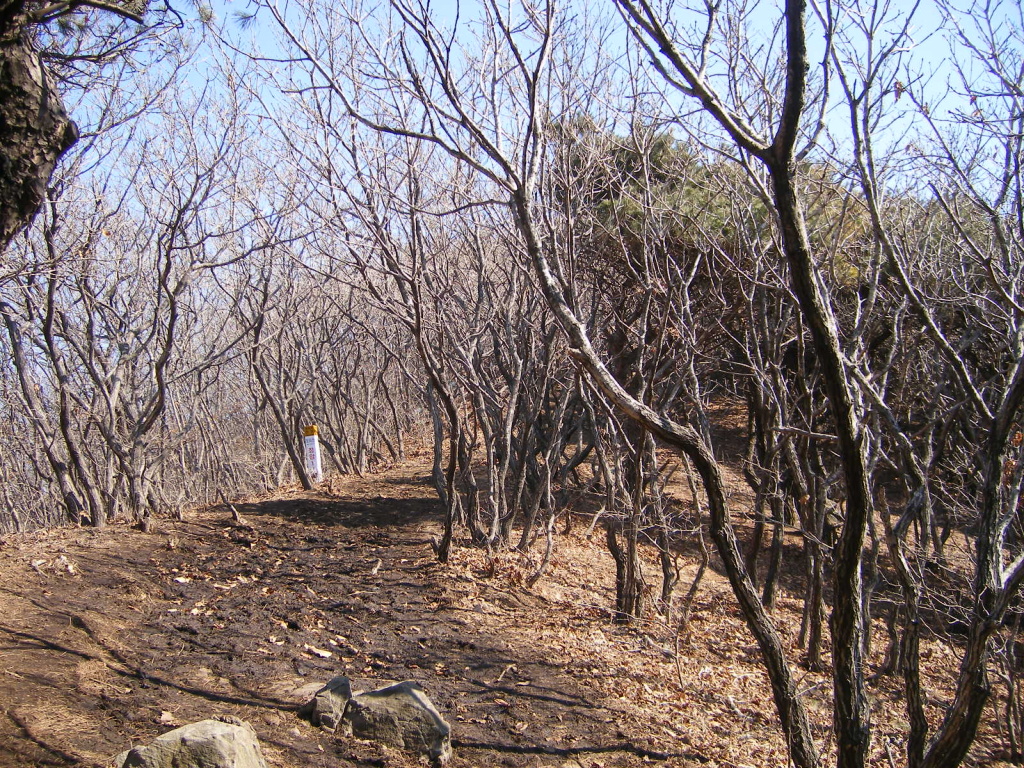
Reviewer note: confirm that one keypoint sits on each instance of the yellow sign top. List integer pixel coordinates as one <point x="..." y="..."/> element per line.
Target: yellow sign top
<point x="310" y="430"/>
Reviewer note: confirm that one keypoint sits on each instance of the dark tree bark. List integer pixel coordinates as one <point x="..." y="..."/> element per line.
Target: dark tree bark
<point x="851" y="712"/>
<point x="771" y="580"/>
<point x="689" y="443"/>
<point x="35" y="129"/>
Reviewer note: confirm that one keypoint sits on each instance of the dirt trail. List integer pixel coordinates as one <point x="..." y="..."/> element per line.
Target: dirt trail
<point x="112" y="637"/>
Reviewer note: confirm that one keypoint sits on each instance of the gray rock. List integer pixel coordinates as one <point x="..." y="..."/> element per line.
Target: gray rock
<point x="400" y="716"/>
<point x="225" y="742"/>
<point x="327" y="707"/>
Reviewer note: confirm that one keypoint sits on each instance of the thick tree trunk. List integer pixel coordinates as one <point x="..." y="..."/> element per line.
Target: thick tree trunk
<point x="852" y="719"/>
<point x="35" y="130"/>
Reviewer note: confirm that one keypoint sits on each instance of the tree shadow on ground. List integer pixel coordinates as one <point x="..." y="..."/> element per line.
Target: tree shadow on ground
<point x="380" y="512"/>
<point x="215" y="615"/>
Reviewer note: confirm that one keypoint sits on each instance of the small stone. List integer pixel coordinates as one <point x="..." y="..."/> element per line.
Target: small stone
<point x="327" y="707"/>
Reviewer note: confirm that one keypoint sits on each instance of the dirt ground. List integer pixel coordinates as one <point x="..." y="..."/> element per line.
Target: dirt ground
<point x="112" y="637"/>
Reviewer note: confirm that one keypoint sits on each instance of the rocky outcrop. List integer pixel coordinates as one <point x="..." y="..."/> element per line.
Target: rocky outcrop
<point x="224" y="742"/>
<point x="399" y="716"/>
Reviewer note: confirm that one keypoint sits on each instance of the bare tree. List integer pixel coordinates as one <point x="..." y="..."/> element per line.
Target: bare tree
<point x="970" y="258"/>
<point x="96" y="317"/>
<point x="506" y="149"/>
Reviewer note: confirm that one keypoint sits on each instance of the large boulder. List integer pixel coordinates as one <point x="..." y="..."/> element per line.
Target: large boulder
<point x="225" y="742"/>
<point x="399" y="716"/>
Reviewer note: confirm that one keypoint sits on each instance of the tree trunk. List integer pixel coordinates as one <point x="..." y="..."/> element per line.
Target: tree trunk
<point x="35" y="130"/>
<point x="686" y="440"/>
<point x="771" y="579"/>
<point x="852" y="718"/>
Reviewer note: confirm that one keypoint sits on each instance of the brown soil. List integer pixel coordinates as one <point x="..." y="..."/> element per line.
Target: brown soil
<point x="112" y="637"/>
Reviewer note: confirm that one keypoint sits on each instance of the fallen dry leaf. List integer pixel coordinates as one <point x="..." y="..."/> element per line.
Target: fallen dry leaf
<point x="317" y="651"/>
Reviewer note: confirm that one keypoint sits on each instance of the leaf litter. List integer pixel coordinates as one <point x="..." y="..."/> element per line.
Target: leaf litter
<point x="112" y="637"/>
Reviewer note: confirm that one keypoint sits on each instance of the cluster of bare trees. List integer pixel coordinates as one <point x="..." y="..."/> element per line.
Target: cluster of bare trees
<point x="162" y="343"/>
<point x="870" y="321"/>
<point x="548" y="241"/>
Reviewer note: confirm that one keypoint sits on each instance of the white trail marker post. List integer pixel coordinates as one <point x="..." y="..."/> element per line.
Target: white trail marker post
<point x="311" y="444"/>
